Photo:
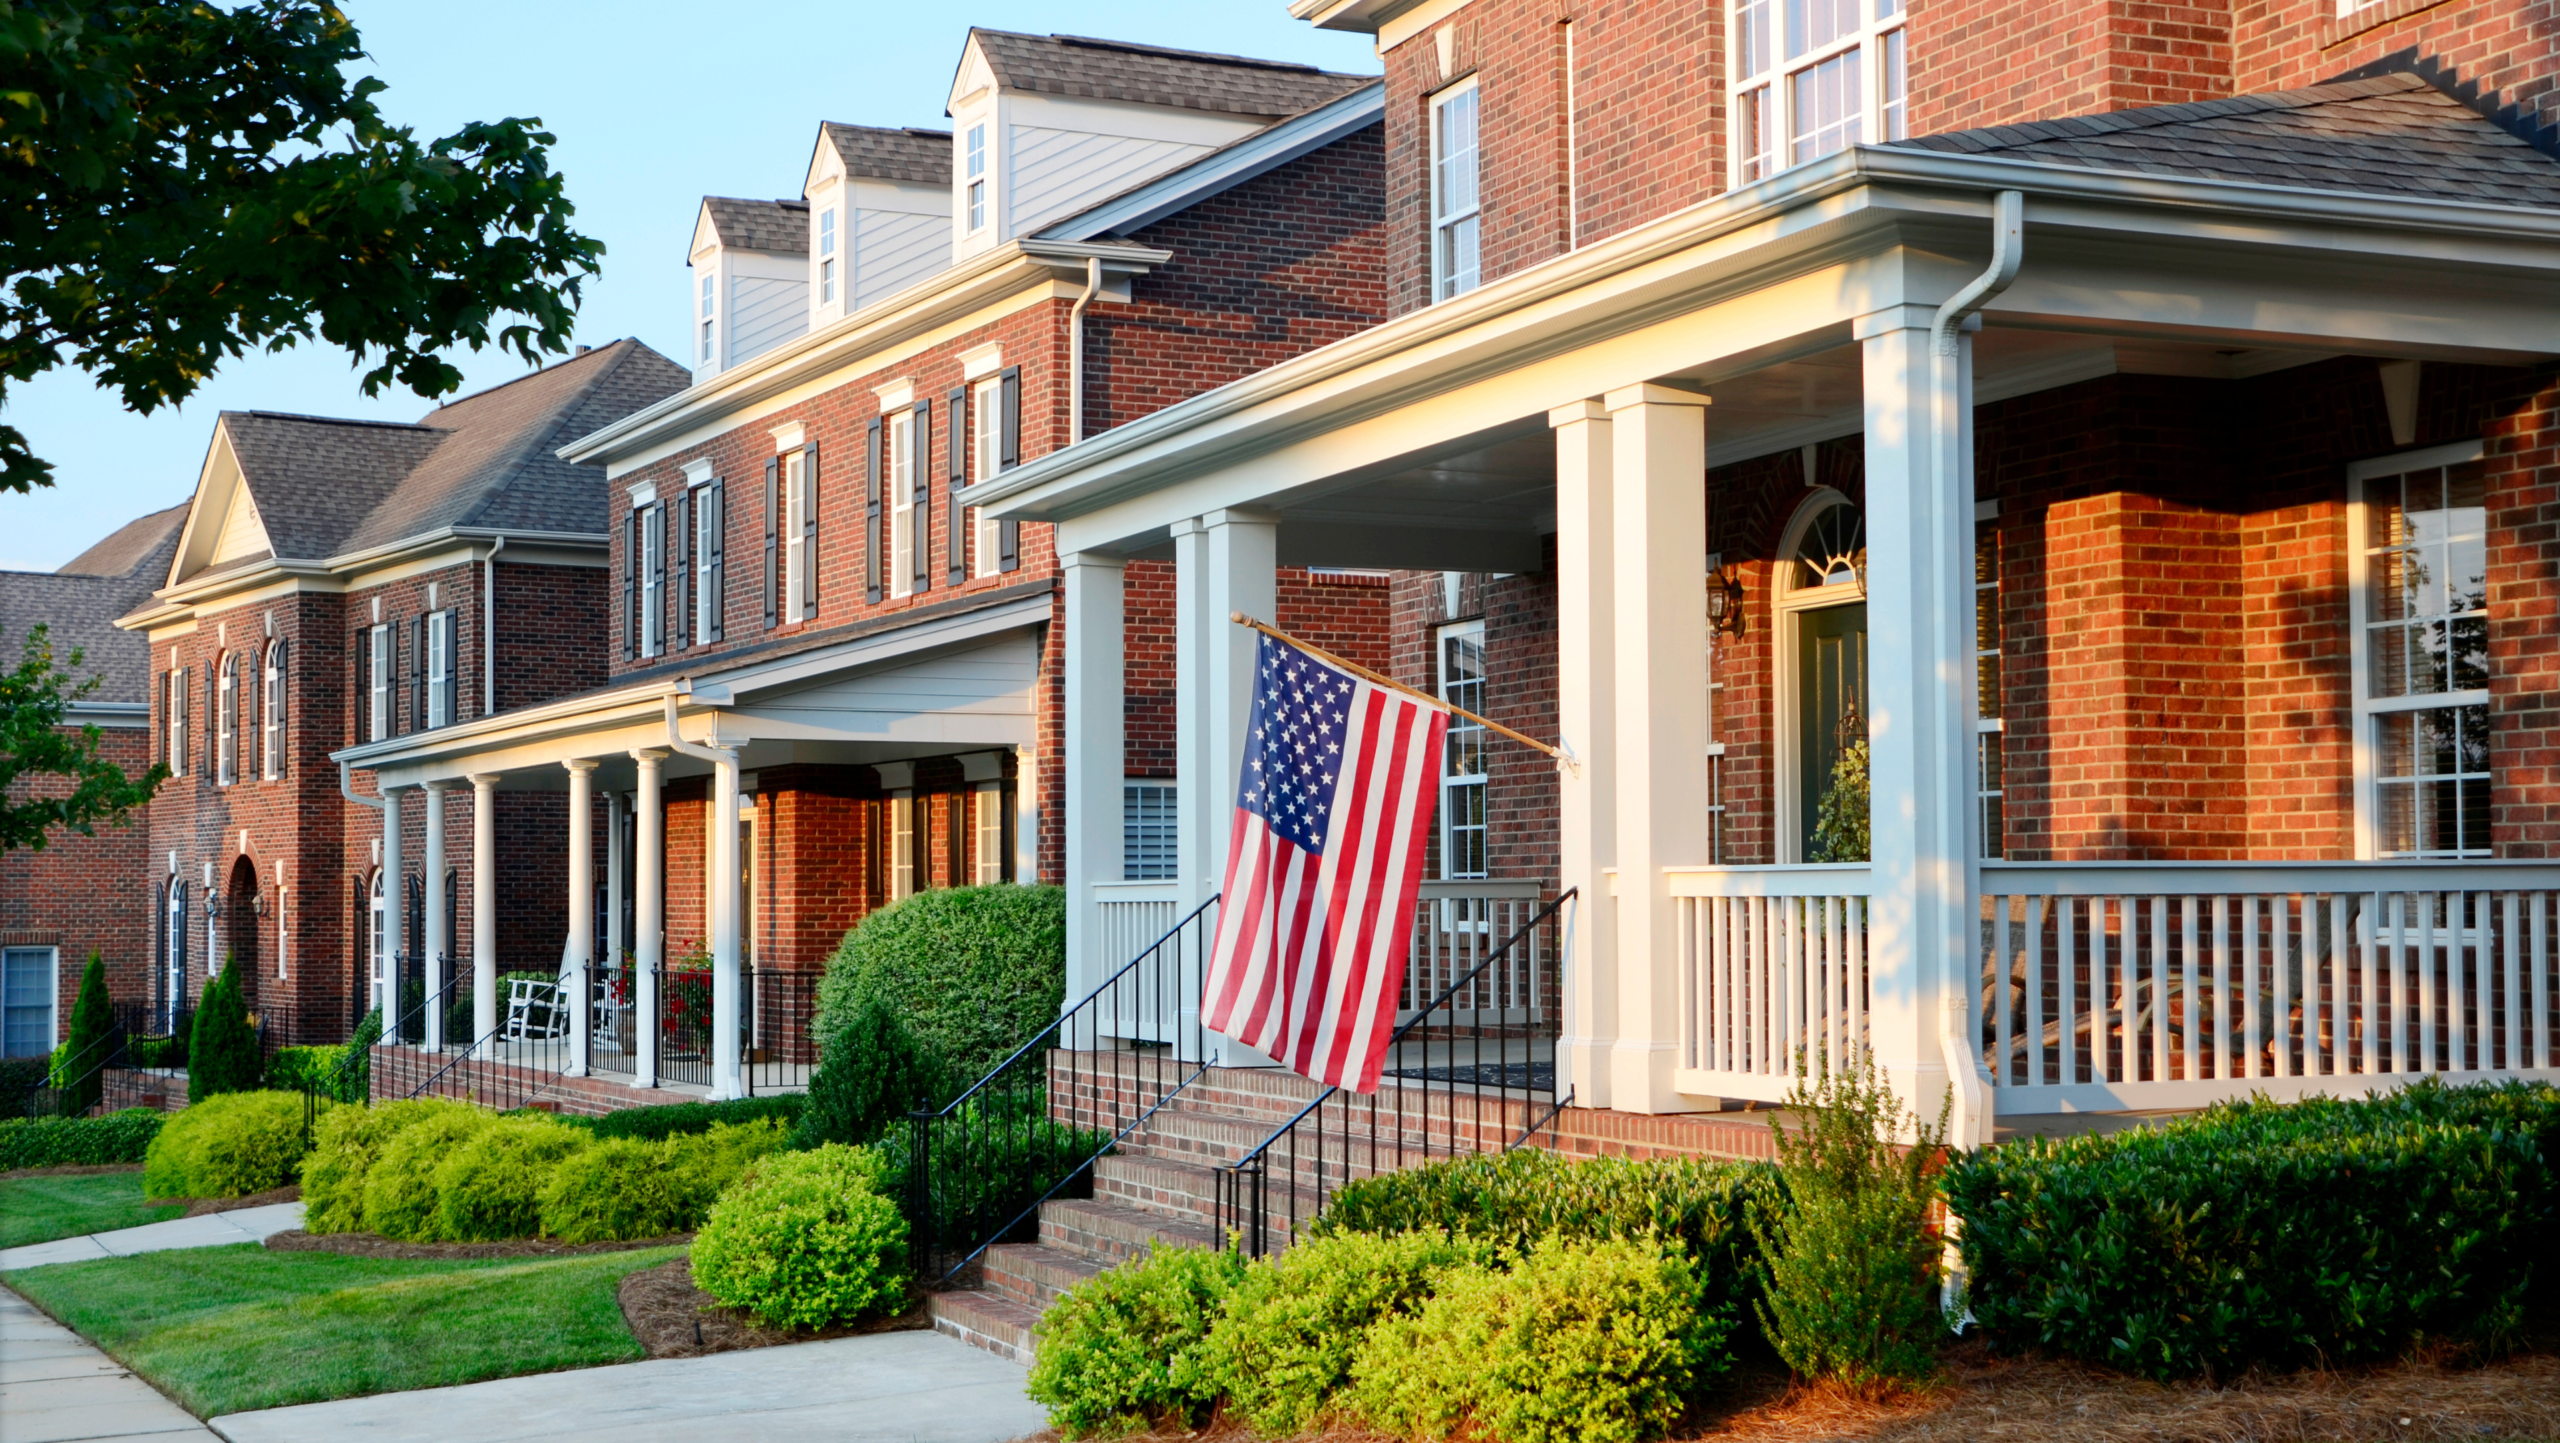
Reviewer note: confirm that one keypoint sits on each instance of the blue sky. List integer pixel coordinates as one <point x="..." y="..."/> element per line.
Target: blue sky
<point x="655" y="105"/>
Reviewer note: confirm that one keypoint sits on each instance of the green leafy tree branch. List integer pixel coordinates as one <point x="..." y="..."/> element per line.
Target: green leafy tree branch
<point x="70" y="786"/>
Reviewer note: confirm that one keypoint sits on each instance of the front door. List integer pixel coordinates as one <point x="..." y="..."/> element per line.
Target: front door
<point x="1831" y="702"/>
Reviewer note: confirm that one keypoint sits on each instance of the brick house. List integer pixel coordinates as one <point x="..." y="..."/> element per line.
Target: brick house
<point x="828" y="680"/>
<point x="84" y="894"/>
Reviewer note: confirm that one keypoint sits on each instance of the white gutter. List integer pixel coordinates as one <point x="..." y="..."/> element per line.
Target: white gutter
<point x="1075" y="350"/>
<point x="175" y="599"/>
<point x="347" y="788"/>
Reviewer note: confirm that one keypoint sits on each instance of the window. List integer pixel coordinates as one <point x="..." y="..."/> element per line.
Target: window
<point x="173" y="921"/>
<point x="900" y="478"/>
<point x="378" y="684"/>
<point x="379" y="958"/>
<point x="710" y="523"/>
<point x="827" y="256"/>
<point x="1148" y="832"/>
<point x="1464" y="849"/>
<point x="708" y="293"/>
<point x="977" y="177"/>
<point x="986" y="843"/>
<point x="796" y="559"/>
<point x="26" y="1001"/>
<point x="1454" y="210"/>
<point x="2422" y="652"/>
<point x="226" y="722"/>
<point x="1987" y="724"/>
<point x="986" y="423"/>
<point x="902" y="846"/>
<point x="440" y="668"/>
<point x="176" y="707"/>
<point x="1811" y="77"/>
<point x="653" y="581"/>
<point x="271" y="715"/>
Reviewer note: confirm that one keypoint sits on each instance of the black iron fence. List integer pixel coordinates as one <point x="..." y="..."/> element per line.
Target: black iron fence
<point x="1459" y="1079"/>
<point x="141" y="1035"/>
<point x="684" y="1025"/>
<point x="979" y="1169"/>
<point x="780" y="1051"/>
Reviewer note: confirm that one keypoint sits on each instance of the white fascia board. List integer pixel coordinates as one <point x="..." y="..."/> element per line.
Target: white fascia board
<point x="842" y="346"/>
<point x="514" y="728"/>
<point x="1224" y="169"/>
<point x="353" y="570"/>
<point x="868" y="651"/>
<point x="108" y="715"/>
<point x="1742" y="234"/>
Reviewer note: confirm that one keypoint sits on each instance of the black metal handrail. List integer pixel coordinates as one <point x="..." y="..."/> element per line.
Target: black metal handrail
<point x="504" y="1073"/>
<point x="1243" y="1202"/>
<point x="1011" y="1142"/>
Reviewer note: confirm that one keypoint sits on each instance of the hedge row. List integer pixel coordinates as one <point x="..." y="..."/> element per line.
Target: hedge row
<point x="682" y="1119"/>
<point x="78" y="1141"/>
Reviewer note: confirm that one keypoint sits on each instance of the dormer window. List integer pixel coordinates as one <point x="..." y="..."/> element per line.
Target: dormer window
<point x="827" y="256"/>
<point x="976" y="173"/>
<point x="707" y="317"/>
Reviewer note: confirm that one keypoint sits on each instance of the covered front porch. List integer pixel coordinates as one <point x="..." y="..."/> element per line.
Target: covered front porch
<point x="2151" y="867"/>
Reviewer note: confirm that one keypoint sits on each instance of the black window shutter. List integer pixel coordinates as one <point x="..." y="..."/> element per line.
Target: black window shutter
<point x="418" y="673"/>
<point x="772" y="541"/>
<point x="872" y="539"/>
<point x="359" y="686"/>
<point x="717" y="512"/>
<point x="631" y="586"/>
<point x="809" y="531"/>
<point x="955" y="426"/>
<point x="920" y="460"/>
<point x="1008" y="456"/>
<point x="679" y="570"/>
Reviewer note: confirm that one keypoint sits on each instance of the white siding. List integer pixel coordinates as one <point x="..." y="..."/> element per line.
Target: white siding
<point x="243" y="534"/>
<point x="895" y="249"/>
<point x="763" y="313"/>
<point x="980" y="693"/>
<point x="1051" y="173"/>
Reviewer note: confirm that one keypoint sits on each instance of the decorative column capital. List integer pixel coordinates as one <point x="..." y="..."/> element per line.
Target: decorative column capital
<point x="649" y="756"/>
<point x="484" y="781"/>
<point x="579" y="766"/>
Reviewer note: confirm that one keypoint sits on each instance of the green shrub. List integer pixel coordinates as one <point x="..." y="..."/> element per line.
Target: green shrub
<point x="2319" y="1232"/>
<point x="623" y="1187"/>
<point x="18" y="1077"/>
<point x="974" y="972"/>
<point x="399" y="1186"/>
<point x="1514" y="1199"/>
<point x="490" y="1188"/>
<point x="1852" y="1265"/>
<point x="872" y="1074"/>
<point x="675" y="1119"/>
<point x="1128" y="1348"/>
<point x="228" y="1146"/>
<point x="991" y="1159"/>
<point x="87" y="1044"/>
<point x="805" y="1240"/>
<point x="168" y="1053"/>
<point x="223" y="1055"/>
<point x="78" y="1141"/>
<point x="1575" y="1342"/>
<point x="722" y="1155"/>
<point x="1285" y="1337"/>
<point x="345" y="1144"/>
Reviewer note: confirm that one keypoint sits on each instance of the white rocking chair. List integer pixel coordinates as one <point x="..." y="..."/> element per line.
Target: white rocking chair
<point x="534" y="1011"/>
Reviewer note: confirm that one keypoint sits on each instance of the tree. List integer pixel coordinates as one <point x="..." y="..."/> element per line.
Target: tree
<point x="185" y="181"/>
<point x="223" y="1056"/>
<point x="35" y="745"/>
<point x="87" y="1044"/>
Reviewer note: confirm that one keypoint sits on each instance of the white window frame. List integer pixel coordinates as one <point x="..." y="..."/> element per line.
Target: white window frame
<point x="986" y="833"/>
<point x="226" y="719"/>
<point x="1760" y="87"/>
<point x="271" y="713"/>
<point x="898" y="434"/>
<point x="986" y="445"/>
<point x="1150" y="830"/>
<point x="173" y="965"/>
<point x="827" y="256"/>
<point x="50" y="962"/>
<point x="378" y="683"/>
<point x="795" y="537"/>
<point x="1454" y="784"/>
<point x="901" y="871"/>
<point x="440" y="668"/>
<point x="1448" y="219"/>
<point x="704" y="522"/>
<point x="173" y="702"/>
<point x="708" y="318"/>
<point x="974" y="166"/>
<point x="653" y="580"/>
<point x="380" y="963"/>
<point x="1990" y="789"/>
<point x="2360" y="626"/>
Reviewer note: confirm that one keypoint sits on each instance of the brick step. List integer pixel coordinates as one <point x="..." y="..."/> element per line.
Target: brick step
<point x="1106" y="1232"/>
<point x="1035" y="1273"/>
<point x="1166" y="1187"/>
<point x="982" y="1319"/>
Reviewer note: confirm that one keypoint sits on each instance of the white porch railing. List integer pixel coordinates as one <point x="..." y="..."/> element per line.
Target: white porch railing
<point x="1129" y="917"/>
<point x="2174" y="984"/>
<point x="1457" y="926"/>
<point x="1772" y="966"/>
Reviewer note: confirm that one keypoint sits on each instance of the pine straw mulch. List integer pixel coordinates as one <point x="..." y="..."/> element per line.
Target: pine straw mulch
<point x="674" y="1319"/>
<point x="375" y="1245"/>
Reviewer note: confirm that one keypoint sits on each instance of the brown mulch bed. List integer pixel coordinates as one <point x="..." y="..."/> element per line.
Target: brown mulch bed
<point x="674" y="1319"/>
<point x="71" y="1169"/>
<point x="198" y="1206"/>
<point x="375" y="1245"/>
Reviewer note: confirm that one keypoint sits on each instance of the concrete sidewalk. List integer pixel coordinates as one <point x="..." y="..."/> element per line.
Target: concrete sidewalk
<point x="890" y="1387"/>
<point x="55" y="1388"/>
<point x="213" y="1230"/>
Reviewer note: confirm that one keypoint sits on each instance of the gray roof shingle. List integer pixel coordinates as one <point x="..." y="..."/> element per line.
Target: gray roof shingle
<point x="881" y="154"/>
<point x="759" y="225"/>
<point x="141" y="540"/>
<point x="80" y="603"/>
<point x="2390" y="134"/>
<point x="1153" y="75"/>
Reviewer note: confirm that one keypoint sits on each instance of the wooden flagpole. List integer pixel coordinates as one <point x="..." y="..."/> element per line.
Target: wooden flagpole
<point x="1240" y="619"/>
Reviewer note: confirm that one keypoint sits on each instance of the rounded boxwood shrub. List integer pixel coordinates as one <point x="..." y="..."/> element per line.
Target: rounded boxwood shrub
<point x="625" y="1188"/>
<point x="345" y="1144"/>
<point x="1128" y="1349"/>
<point x="1284" y="1339"/>
<point x="1575" y="1342"/>
<point x="228" y="1146"/>
<point x="490" y="1187"/>
<point x="974" y="972"/>
<point x="400" y="1186"/>
<point x="805" y="1240"/>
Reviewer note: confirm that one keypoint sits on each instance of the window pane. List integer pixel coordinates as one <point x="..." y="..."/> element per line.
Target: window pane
<point x="1897" y="110"/>
<point x="1826" y="105"/>
<point x="2433" y="782"/>
<point x="1812" y="24"/>
<point x="1458" y="266"/>
<point x="1457" y="160"/>
<point x="1759" y="137"/>
<point x="1751" y="22"/>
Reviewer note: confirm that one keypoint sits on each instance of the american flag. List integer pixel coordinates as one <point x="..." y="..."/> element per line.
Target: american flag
<point x="1323" y="866"/>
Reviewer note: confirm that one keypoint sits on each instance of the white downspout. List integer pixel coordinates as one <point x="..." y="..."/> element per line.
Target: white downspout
<point x="1075" y="349"/>
<point x="721" y="862"/>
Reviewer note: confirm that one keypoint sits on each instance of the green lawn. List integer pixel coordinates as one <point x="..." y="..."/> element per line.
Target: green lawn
<point x="41" y="1209"/>
<point x="224" y="1330"/>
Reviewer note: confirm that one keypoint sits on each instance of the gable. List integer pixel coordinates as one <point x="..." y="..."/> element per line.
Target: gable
<point x="243" y="536"/>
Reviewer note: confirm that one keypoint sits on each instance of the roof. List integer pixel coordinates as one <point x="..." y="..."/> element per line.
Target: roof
<point x="132" y="544"/>
<point x="2390" y="134"/>
<point x="80" y="603"/>
<point x="1079" y="65"/>
<point x="763" y="225"/>
<point x="883" y="154"/>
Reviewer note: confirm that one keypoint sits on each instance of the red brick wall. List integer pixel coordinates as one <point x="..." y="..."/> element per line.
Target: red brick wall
<point x="84" y="894"/>
<point x="1519" y="619"/>
<point x="2504" y="46"/>
<point x="2003" y="62"/>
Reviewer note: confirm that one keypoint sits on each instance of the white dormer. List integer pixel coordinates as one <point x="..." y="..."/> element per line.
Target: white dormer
<point x="879" y="215"/>
<point x="750" y="288"/>
<point x="1025" y="151"/>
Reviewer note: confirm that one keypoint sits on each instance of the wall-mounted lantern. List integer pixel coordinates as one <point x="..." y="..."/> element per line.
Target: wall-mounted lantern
<point x="1724" y="599"/>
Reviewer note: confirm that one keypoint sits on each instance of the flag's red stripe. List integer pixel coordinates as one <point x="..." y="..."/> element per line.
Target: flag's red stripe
<point x="1408" y="889"/>
<point x="1364" y="959"/>
<point x="1347" y="851"/>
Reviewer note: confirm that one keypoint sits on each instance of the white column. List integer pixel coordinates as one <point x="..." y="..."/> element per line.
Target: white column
<point x="1658" y="494"/>
<point x="1193" y="824"/>
<point x="725" y="905"/>
<point x="386" y="977"/>
<point x="648" y="912"/>
<point x="1234" y="556"/>
<point x="484" y="905"/>
<point x="615" y="944"/>
<point x="438" y="946"/>
<point x="1919" y="687"/>
<point x="1586" y="662"/>
<point x="582" y="909"/>
<point x="1096" y="753"/>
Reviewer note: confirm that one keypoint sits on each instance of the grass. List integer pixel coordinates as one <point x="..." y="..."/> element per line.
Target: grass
<point x="226" y="1330"/>
<point x="41" y="1209"/>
